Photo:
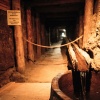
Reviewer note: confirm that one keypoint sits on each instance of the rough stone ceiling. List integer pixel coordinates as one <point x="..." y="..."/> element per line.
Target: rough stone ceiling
<point x="57" y="11"/>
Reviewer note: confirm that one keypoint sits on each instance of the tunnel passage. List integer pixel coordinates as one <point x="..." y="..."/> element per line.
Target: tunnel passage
<point x="57" y="15"/>
<point x="43" y="22"/>
<point x="77" y="17"/>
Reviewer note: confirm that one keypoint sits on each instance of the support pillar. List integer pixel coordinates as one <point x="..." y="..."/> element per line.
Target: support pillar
<point x="34" y="37"/>
<point x="87" y="20"/>
<point x="80" y="29"/>
<point x="30" y="36"/>
<point x="77" y="28"/>
<point x="98" y="13"/>
<point x="38" y="35"/>
<point x="20" y="60"/>
<point x="43" y="37"/>
<point x="49" y="35"/>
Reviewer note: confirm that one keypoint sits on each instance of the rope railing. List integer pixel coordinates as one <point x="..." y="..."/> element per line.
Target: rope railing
<point x="53" y="46"/>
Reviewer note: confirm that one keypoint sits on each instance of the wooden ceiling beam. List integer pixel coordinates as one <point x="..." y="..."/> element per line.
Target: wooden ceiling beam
<point x="60" y="23"/>
<point x="60" y="19"/>
<point x="60" y="15"/>
<point x="57" y="12"/>
<point x="57" y="9"/>
<point x="34" y="3"/>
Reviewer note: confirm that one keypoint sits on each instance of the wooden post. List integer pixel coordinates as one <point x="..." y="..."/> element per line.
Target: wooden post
<point x="30" y="36"/>
<point x="57" y="35"/>
<point x="87" y="20"/>
<point x="34" y="37"/>
<point x="77" y="28"/>
<point x="38" y="35"/>
<point x="20" y="60"/>
<point x="49" y="40"/>
<point x="98" y="13"/>
<point x="42" y="37"/>
<point x="80" y="29"/>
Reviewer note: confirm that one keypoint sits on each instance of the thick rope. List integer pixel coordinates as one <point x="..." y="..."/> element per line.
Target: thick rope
<point x="53" y="46"/>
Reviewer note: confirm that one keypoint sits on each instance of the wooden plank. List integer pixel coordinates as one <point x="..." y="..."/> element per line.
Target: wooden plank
<point x="30" y="36"/>
<point x="51" y="2"/>
<point x="18" y="35"/>
<point x="5" y="4"/>
<point x="59" y="8"/>
<point x="87" y="20"/>
<point x="76" y="59"/>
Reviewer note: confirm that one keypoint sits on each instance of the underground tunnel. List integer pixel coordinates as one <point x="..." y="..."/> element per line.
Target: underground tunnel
<point x="29" y="29"/>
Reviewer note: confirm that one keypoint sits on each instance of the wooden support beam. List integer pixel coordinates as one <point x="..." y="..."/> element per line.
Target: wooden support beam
<point x="87" y="20"/>
<point x="19" y="41"/>
<point x="30" y="36"/>
<point x="59" y="8"/>
<point x="38" y="35"/>
<point x="80" y="29"/>
<point x="43" y="37"/>
<point x="98" y="13"/>
<point x="51" y="2"/>
<point x="34" y="37"/>
<point x="69" y="15"/>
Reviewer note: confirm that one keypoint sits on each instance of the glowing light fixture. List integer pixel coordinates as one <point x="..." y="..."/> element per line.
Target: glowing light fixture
<point x="63" y="35"/>
<point x="64" y="30"/>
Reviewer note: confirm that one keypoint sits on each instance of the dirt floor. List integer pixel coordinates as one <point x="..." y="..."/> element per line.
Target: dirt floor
<point x="38" y="78"/>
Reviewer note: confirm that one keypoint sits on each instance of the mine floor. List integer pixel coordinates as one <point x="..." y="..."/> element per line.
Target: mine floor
<point x="38" y="77"/>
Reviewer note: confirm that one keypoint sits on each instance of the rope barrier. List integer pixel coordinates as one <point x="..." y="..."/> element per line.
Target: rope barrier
<point x="53" y="46"/>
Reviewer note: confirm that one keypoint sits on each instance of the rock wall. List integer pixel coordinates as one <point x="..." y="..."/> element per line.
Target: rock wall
<point x="7" y="61"/>
<point x="7" y="48"/>
<point x="94" y="41"/>
<point x="6" y="43"/>
<point x="94" y="45"/>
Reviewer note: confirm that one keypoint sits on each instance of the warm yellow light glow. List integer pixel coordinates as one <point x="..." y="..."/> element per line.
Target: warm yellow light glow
<point x="63" y="35"/>
<point x="64" y="30"/>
